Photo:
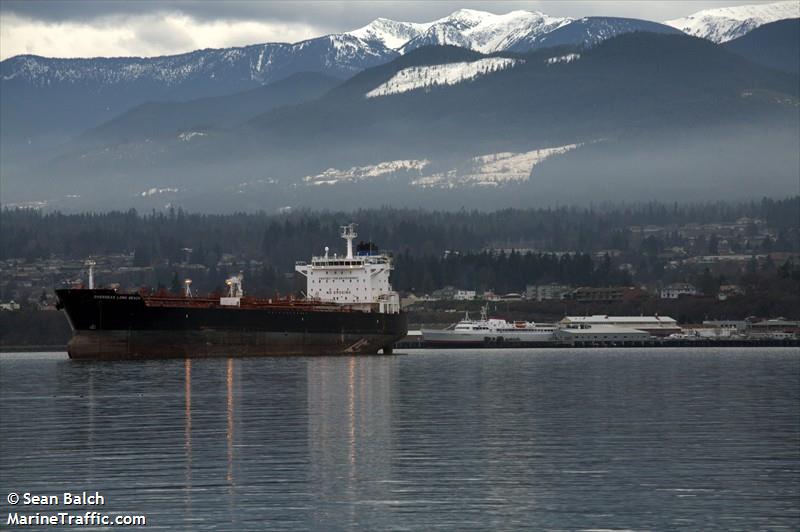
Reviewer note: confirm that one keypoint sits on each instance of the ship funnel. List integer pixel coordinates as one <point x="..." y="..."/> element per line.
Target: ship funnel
<point x="349" y="234"/>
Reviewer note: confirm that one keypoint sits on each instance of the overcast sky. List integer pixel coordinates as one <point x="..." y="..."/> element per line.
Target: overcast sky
<point x="65" y="28"/>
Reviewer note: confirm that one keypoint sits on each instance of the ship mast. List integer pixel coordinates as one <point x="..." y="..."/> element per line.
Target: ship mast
<point x="235" y="286"/>
<point x="90" y="264"/>
<point x="349" y="234"/>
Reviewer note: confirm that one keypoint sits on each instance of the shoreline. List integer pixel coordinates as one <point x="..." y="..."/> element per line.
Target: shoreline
<point x="415" y="345"/>
<point x="625" y="345"/>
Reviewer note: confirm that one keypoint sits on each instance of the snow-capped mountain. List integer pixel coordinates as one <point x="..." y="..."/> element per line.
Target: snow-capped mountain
<point x="338" y="55"/>
<point x="438" y="35"/>
<point x="727" y="23"/>
<point x="518" y="31"/>
<point x="219" y="71"/>
<point x="503" y="32"/>
<point x="389" y="33"/>
<point x="47" y="99"/>
<point x="587" y="32"/>
<point x="485" y="32"/>
<point x="644" y="111"/>
<point x="52" y="99"/>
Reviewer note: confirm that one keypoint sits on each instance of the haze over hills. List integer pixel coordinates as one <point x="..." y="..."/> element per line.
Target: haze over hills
<point x="528" y="108"/>
<point x="156" y="120"/>
<point x="462" y="135"/>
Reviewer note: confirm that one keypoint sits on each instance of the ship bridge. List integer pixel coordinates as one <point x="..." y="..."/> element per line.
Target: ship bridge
<point x="358" y="279"/>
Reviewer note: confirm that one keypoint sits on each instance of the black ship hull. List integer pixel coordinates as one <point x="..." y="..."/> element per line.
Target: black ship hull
<point x="111" y="325"/>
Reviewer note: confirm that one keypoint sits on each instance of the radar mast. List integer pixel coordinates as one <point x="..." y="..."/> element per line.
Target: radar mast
<point x="349" y="234"/>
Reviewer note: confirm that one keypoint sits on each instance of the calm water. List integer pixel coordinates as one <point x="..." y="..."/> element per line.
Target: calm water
<point x="657" y="439"/>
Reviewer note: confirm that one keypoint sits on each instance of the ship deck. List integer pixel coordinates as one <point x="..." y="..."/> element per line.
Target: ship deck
<point x="244" y="303"/>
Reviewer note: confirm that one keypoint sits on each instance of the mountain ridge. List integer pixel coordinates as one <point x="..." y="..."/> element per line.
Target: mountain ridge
<point x="45" y="101"/>
<point x="776" y="45"/>
<point x="483" y="126"/>
<point x="54" y="99"/>
<point x="727" y="23"/>
<point x="158" y="119"/>
<point x="346" y="147"/>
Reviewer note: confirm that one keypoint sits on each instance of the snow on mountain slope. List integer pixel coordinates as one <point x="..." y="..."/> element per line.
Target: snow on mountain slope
<point x="428" y="76"/>
<point x="385" y="169"/>
<point x="390" y="33"/>
<point x="493" y="170"/>
<point x="342" y="55"/>
<point x="567" y="58"/>
<point x="588" y="32"/>
<point x="483" y="31"/>
<point x="501" y="32"/>
<point x="517" y="31"/>
<point x="438" y="35"/>
<point x="727" y="23"/>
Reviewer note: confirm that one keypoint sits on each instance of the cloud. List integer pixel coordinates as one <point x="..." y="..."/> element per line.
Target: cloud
<point x="349" y="14"/>
<point x="139" y="35"/>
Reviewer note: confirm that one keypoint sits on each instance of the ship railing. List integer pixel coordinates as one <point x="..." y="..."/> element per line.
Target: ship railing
<point x="337" y="261"/>
<point x="246" y="302"/>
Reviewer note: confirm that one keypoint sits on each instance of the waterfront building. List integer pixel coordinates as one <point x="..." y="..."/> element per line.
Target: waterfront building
<point x="448" y="293"/>
<point x="464" y="295"/>
<point x="678" y="290"/>
<point x="737" y="326"/>
<point x="773" y="326"/>
<point x="547" y="292"/>
<point x="609" y="294"/>
<point x="489" y="295"/>
<point x="729" y="290"/>
<point x="10" y="306"/>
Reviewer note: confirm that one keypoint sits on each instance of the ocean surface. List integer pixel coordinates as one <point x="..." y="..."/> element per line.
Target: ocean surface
<point x="650" y="439"/>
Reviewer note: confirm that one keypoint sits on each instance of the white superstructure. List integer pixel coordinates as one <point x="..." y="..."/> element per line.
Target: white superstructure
<point x="655" y="325"/>
<point x="486" y="330"/>
<point x="359" y="279"/>
<point x="600" y="335"/>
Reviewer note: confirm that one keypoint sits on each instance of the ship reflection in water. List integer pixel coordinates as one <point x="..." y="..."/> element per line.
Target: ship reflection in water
<point x="656" y="439"/>
<point x="349" y="437"/>
<point x="348" y="429"/>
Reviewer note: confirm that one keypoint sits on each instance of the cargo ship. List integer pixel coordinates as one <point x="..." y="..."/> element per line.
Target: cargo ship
<point x="349" y="308"/>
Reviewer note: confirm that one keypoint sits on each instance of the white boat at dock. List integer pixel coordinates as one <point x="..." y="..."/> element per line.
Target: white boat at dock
<point x="487" y="331"/>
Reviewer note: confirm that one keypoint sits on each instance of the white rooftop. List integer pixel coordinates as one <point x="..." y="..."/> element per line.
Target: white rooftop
<point x="603" y="329"/>
<point x="601" y="319"/>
